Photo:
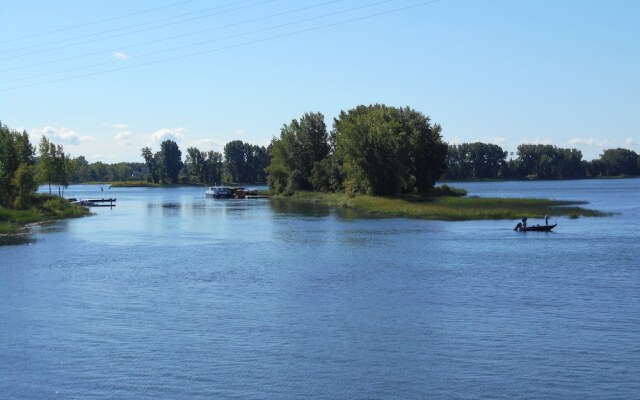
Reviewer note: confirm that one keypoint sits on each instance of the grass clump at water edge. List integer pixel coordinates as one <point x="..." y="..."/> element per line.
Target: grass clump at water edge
<point x="446" y="207"/>
<point x="44" y="208"/>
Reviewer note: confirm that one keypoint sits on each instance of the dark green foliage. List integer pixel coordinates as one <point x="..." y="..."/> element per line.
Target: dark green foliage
<point x="277" y="178"/>
<point x="195" y="163"/>
<point x="165" y="165"/>
<point x="170" y="162"/>
<point x="534" y="161"/>
<point x="25" y="185"/>
<point x="152" y="164"/>
<point x="302" y="143"/>
<point x="475" y="161"/>
<point x="321" y="175"/>
<point x="213" y="168"/>
<point x="16" y="161"/>
<point x="244" y="162"/>
<point x="617" y="162"/>
<point x="549" y="162"/>
<point x="387" y="150"/>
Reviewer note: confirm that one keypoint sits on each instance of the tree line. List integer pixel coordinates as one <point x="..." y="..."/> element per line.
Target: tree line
<point x="21" y="172"/>
<point x="23" y="167"/>
<point x="384" y="150"/>
<point x="239" y="163"/>
<point x="535" y="161"/>
<point x="372" y="149"/>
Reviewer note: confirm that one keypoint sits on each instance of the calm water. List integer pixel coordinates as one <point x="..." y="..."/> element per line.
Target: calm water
<point x="173" y="296"/>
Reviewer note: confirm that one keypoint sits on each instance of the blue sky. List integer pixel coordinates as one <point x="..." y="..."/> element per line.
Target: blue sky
<point x="106" y="78"/>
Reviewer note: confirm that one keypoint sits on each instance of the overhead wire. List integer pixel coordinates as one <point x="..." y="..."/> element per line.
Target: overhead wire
<point x="206" y="41"/>
<point x="120" y="48"/>
<point x="256" y="41"/>
<point x="131" y="27"/>
<point x="68" y="28"/>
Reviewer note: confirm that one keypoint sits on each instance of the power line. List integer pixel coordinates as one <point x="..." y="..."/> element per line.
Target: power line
<point x="131" y="27"/>
<point x="205" y="42"/>
<point x="225" y="47"/>
<point x="174" y="37"/>
<point x="68" y="28"/>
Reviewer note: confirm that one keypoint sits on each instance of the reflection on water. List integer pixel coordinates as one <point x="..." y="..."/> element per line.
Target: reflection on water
<point x="172" y="295"/>
<point x="299" y="209"/>
<point x="17" y="240"/>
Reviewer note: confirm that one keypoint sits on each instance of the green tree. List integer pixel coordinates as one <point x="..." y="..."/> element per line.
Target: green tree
<point x="122" y="171"/>
<point x="15" y="150"/>
<point x="386" y="150"/>
<point x="475" y="161"/>
<point x="195" y="164"/>
<point x="25" y="184"/>
<point x="234" y="161"/>
<point x="46" y="162"/>
<point x="213" y="168"/>
<point x="100" y="172"/>
<point x="60" y="168"/>
<point x="170" y="161"/>
<point x="549" y="162"/>
<point x="301" y="144"/>
<point x="616" y="162"/>
<point x="152" y="164"/>
<point x="79" y="169"/>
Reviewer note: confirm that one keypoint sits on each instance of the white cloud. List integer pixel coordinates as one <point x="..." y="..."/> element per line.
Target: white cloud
<point x="124" y="137"/>
<point x="207" y="144"/>
<point x="535" y="141"/>
<point x="175" y="134"/>
<point x="496" y="140"/>
<point x="630" y="142"/>
<point x="120" y="56"/>
<point x="499" y="140"/>
<point x="61" y="135"/>
<point x="101" y="156"/>
<point x="119" y="126"/>
<point x="591" y="142"/>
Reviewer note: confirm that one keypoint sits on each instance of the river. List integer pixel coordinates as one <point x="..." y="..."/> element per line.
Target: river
<point x="170" y="295"/>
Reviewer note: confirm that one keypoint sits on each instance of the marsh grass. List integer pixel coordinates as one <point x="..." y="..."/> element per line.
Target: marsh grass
<point x="449" y="208"/>
<point x="134" y="184"/>
<point x="44" y="208"/>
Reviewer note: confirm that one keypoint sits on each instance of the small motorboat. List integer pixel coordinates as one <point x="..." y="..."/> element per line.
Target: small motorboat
<point x="534" y="228"/>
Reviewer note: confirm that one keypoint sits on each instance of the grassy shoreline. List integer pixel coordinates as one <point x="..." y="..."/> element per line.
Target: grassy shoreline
<point x="45" y="208"/>
<point x="447" y="208"/>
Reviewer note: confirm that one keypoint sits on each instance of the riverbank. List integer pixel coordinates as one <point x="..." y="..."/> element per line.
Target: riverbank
<point x="122" y="184"/>
<point x="45" y="208"/>
<point x="447" y="208"/>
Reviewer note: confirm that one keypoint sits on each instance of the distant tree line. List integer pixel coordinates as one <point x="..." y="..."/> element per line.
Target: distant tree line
<point x="535" y="161"/>
<point x="372" y="149"/>
<point x="384" y="150"/>
<point x="241" y="163"/>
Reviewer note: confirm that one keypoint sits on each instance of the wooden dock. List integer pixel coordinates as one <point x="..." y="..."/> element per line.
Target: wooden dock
<point x="94" y="202"/>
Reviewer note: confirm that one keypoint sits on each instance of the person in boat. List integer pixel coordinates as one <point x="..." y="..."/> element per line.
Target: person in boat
<point x="524" y="222"/>
<point x="546" y="219"/>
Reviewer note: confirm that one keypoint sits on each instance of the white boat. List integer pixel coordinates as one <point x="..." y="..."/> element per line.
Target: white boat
<point x="218" y="192"/>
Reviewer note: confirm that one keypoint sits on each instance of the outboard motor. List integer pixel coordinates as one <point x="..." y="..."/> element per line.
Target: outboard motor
<point x="517" y="228"/>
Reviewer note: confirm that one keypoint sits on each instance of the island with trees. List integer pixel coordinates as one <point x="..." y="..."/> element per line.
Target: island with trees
<point x="380" y="159"/>
<point x="385" y="161"/>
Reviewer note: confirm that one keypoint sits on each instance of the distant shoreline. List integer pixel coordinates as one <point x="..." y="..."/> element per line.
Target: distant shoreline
<point x="123" y="184"/>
